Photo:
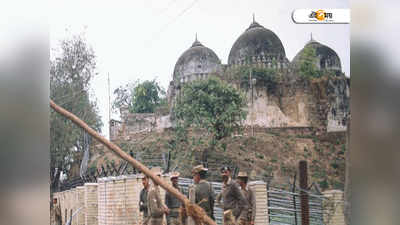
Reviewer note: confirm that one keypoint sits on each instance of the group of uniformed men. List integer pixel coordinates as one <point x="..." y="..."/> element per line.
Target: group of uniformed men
<point x="236" y="199"/>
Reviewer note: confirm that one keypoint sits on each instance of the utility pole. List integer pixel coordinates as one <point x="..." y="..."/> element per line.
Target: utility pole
<point x="109" y="109"/>
<point x="252" y="82"/>
<point x="252" y="108"/>
<point x="305" y="211"/>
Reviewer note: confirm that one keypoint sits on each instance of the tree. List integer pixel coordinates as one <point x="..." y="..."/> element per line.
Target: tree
<point x="138" y="97"/>
<point x="213" y="105"/>
<point x="308" y="63"/>
<point x="123" y="96"/>
<point x="70" y="75"/>
<point x="146" y="97"/>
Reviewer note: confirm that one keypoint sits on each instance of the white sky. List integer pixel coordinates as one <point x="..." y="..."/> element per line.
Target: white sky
<point x="143" y="39"/>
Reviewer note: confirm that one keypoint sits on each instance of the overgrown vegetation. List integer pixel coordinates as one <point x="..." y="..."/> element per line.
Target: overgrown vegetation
<point x="308" y="62"/>
<point x="141" y="97"/>
<point x="212" y="106"/>
<point x="266" y="77"/>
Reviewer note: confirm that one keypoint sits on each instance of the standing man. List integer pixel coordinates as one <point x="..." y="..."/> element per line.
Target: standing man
<point x="156" y="208"/>
<point x="143" y="199"/>
<point x="204" y="195"/>
<point x="57" y="212"/>
<point x="172" y="202"/>
<point x="234" y="203"/>
<point x="250" y="215"/>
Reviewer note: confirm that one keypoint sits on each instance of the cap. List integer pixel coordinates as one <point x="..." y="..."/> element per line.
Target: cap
<point x="198" y="169"/>
<point x="175" y="175"/>
<point x="242" y="174"/>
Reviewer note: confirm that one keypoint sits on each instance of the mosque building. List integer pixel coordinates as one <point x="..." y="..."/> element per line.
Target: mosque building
<point x="292" y="104"/>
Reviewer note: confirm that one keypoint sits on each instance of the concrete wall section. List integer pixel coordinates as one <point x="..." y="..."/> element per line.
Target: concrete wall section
<point x="260" y="190"/>
<point x="90" y="203"/>
<point x="333" y="207"/>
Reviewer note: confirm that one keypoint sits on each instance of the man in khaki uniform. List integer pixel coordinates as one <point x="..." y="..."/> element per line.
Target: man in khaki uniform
<point x="156" y="208"/>
<point x="173" y="203"/>
<point x="143" y="199"/>
<point x="234" y="203"/>
<point x="204" y="195"/>
<point x="57" y="212"/>
<point x="250" y="215"/>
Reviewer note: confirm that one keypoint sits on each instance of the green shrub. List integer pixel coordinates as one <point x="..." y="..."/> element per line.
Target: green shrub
<point x="323" y="184"/>
<point x="260" y="156"/>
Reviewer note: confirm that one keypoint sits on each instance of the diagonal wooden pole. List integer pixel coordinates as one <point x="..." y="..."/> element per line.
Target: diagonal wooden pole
<point x="193" y="210"/>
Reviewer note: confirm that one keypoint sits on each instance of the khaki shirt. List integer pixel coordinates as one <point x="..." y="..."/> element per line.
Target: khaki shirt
<point x="173" y="202"/>
<point x="251" y="199"/>
<point x="204" y="196"/>
<point x="154" y="203"/>
<point x="233" y="199"/>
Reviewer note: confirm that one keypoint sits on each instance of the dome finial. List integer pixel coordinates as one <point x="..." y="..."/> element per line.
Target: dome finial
<point x="254" y="24"/>
<point x="196" y="42"/>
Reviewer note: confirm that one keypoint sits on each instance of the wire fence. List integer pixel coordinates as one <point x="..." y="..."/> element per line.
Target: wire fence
<point x="284" y="207"/>
<point x="111" y="169"/>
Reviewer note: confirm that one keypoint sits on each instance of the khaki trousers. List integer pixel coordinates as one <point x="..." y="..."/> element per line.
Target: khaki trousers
<point x="145" y="220"/>
<point x="155" y="221"/>
<point x="229" y="219"/>
<point x="244" y="222"/>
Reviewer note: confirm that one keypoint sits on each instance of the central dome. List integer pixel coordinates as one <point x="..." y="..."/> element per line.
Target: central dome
<point x="196" y="63"/>
<point x="257" y="43"/>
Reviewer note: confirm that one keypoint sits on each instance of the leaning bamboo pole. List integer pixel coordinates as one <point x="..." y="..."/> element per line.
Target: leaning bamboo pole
<point x="193" y="210"/>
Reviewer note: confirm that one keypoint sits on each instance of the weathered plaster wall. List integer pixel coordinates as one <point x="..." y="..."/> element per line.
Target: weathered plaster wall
<point x="133" y="123"/>
<point x="270" y="110"/>
<point x="323" y="104"/>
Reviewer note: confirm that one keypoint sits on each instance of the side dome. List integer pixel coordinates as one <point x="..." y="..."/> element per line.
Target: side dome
<point x="257" y="44"/>
<point x="196" y="63"/>
<point x="328" y="59"/>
